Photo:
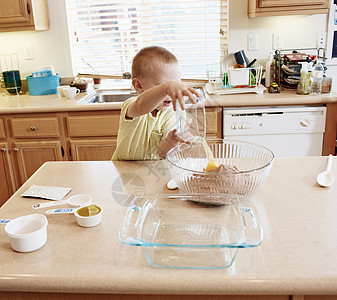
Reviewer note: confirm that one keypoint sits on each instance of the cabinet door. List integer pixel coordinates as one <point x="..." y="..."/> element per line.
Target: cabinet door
<point x="91" y="150"/>
<point x="93" y="125"/>
<point x="274" y="3"/>
<point x="14" y="11"/>
<point x="2" y="129"/>
<point x="262" y="8"/>
<point x="29" y="156"/>
<point x="23" y="15"/>
<point x="7" y="187"/>
<point x="213" y="122"/>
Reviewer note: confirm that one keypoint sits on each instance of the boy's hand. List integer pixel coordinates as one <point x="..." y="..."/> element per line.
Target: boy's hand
<point x="176" y="91"/>
<point x="171" y="141"/>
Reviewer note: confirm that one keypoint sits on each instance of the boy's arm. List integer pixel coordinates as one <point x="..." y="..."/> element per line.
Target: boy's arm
<point x="148" y="100"/>
<point x="172" y="140"/>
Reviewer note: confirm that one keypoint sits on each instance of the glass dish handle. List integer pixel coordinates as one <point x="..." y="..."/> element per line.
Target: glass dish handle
<point x="252" y="233"/>
<point x="128" y="230"/>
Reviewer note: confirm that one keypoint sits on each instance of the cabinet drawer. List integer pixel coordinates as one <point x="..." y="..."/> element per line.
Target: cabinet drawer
<point x="105" y="125"/>
<point x="35" y="127"/>
<point x="2" y="129"/>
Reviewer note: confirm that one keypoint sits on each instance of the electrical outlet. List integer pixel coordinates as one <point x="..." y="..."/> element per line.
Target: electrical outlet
<point x="252" y="42"/>
<point x="277" y="41"/>
<point x="321" y="40"/>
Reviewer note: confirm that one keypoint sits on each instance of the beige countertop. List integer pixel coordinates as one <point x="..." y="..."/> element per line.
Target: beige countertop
<point x="54" y="103"/>
<point x="297" y="255"/>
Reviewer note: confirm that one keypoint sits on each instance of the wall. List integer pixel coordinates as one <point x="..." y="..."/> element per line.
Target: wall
<point x="297" y="31"/>
<point x="52" y="46"/>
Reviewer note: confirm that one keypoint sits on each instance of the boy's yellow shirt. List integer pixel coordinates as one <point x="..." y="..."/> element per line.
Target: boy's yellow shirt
<point x="138" y="138"/>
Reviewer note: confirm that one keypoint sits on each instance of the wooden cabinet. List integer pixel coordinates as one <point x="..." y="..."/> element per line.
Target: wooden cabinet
<point x="213" y="122"/>
<point x="29" y="156"/>
<point x="29" y="140"/>
<point x="34" y="140"/>
<point x="7" y="183"/>
<point x="92" y="149"/>
<point x="263" y="8"/>
<point x="92" y="135"/>
<point x="7" y="186"/>
<point x="16" y="15"/>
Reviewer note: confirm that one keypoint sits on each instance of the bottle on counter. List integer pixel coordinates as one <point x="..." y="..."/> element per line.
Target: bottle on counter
<point x="269" y="66"/>
<point x="316" y="78"/>
<point x="303" y="87"/>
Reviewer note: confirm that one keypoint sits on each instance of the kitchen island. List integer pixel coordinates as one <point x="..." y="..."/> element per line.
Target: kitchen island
<point x="297" y="256"/>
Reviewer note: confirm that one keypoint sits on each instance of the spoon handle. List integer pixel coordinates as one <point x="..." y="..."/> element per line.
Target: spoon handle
<point x="60" y="211"/>
<point x="48" y="204"/>
<point x="328" y="167"/>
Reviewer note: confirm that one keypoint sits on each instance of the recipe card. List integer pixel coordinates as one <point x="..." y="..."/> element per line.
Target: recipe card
<point x="46" y="192"/>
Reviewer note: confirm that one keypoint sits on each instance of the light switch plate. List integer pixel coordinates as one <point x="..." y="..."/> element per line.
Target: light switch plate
<point x="277" y="41"/>
<point x="29" y="52"/>
<point x="253" y="43"/>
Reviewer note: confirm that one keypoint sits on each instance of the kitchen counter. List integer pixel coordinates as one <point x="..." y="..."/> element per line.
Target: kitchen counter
<point x="267" y="99"/>
<point x="54" y="103"/>
<point x="296" y="257"/>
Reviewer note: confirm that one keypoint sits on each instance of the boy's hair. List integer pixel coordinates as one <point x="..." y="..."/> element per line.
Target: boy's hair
<point x="148" y="57"/>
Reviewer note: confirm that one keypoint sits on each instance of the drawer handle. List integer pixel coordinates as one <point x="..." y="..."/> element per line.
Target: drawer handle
<point x="33" y="128"/>
<point x="3" y="150"/>
<point x="16" y="149"/>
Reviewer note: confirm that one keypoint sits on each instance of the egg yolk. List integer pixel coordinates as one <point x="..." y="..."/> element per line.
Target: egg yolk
<point x="211" y="166"/>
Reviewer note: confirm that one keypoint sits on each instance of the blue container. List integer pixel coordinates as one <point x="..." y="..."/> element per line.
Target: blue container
<point x="43" y="85"/>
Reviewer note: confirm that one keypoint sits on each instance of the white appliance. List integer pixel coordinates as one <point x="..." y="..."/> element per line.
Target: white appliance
<point x="286" y="130"/>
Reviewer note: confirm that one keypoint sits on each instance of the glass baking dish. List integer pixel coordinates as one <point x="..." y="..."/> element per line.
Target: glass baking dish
<point x="179" y="231"/>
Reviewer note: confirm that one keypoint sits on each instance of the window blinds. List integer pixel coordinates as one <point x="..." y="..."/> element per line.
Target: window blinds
<point x="105" y="35"/>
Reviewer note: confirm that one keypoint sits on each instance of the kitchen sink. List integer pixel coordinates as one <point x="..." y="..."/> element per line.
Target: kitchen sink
<point x="108" y="96"/>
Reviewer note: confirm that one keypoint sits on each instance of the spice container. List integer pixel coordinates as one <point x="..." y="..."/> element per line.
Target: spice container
<point x="326" y="85"/>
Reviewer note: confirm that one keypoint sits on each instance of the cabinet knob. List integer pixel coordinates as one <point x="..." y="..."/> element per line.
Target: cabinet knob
<point x="3" y="150"/>
<point x="33" y="128"/>
<point x="16" y="149"/>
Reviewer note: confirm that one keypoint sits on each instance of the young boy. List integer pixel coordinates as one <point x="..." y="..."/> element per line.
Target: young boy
<point x="146" y="128"/>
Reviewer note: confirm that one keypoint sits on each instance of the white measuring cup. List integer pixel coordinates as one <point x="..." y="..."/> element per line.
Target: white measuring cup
<point x="85" y="220"/>
<point x="26" y="233"/>
<point x="75" y="201"/>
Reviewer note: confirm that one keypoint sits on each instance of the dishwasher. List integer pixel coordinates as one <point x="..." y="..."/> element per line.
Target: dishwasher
<point x="288" y="131"/>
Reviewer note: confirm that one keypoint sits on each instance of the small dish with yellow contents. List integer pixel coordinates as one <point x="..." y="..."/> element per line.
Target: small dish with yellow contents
<point x="89" y="216"/>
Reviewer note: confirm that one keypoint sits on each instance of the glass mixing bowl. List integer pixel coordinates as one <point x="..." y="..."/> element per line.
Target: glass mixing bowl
<point x="244" y="168"/>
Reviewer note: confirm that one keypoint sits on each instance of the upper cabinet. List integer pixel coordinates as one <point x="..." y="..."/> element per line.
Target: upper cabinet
<point x="264" y="8"/>
<point x="17" y="15"/>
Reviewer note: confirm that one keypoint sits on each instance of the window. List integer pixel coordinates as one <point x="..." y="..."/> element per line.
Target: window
<point x="105" y="35"/>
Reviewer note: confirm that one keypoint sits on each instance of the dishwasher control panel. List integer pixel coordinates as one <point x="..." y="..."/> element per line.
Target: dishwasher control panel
<point x="273" y="120"/>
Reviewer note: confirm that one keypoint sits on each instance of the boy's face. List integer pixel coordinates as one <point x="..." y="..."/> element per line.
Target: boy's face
<point x="162" y="74"/>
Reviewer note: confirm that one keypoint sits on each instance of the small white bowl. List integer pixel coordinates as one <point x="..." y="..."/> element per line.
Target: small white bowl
<point x="27" y="233"/>
<point x="88" y="220"/>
